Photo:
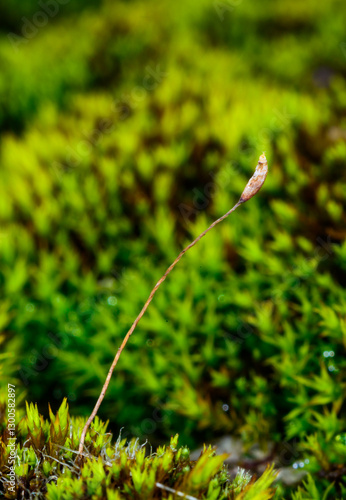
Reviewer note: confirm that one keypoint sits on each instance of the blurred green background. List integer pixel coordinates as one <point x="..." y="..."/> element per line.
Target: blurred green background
<point x="127" y="128"/>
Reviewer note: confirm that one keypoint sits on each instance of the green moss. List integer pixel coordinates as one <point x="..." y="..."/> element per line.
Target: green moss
<point x="47" y="466"/>
<point x="247" y="337"/>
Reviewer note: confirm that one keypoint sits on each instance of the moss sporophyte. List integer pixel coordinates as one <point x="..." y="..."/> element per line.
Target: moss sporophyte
<point x="251" y="189"/>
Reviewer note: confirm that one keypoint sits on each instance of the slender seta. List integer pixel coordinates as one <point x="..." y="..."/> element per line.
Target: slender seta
<point x="251" y="188"/>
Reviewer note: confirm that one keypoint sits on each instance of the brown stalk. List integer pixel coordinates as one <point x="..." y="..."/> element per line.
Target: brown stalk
<point x="252" y="187"/>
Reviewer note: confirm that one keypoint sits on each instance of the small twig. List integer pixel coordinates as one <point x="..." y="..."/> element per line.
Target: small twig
<point x="252" y="187"/>
<point x="59" y="461"/>
<point x="176" y="492"/>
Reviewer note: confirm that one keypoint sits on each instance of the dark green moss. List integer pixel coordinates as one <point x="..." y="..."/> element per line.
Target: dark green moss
<point x="115" y="152"/>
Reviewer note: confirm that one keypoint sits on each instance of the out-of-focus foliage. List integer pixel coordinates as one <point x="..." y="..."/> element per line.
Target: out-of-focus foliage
<point x="18" y="17"/>
<point x="46" y="450"/>
<point x="126" y="131"/>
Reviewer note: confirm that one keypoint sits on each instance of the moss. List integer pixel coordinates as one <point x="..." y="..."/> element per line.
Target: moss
<point x="48" y="465"/>
<point x="120" y="148"/>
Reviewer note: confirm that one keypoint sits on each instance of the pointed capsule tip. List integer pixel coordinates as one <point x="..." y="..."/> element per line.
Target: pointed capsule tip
<point x="256" y="181"/>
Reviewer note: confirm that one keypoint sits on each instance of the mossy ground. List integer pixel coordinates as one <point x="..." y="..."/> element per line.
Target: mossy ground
<point x="127" y="127"/>
<point x="48" y="466"/>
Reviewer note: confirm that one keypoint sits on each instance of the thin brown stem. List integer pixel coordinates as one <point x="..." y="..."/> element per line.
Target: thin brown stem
<point x="251" y="188"/>
<point x="135" y="323"/>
